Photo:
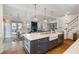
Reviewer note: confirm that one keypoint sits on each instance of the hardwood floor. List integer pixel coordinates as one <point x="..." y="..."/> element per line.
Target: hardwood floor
<point x="62" y="47"/>
<point x="15" y="47"/>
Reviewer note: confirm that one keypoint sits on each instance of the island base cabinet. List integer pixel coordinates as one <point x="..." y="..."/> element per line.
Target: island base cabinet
<point x="39" y="46"/>
<point x="42" y="45"/>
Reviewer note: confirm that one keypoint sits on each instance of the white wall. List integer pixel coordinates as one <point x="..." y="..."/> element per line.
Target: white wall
<point x="1" y="28"/>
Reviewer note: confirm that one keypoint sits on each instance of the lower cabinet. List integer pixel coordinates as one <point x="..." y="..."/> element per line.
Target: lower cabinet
<point x="53" y="43"/>
<point x="60" y="38"/>
<point x="39" y="46"/>
<point x="75" y="36"/>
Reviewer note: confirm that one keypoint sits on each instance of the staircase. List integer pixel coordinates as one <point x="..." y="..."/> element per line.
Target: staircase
<point x="72" y="27"/>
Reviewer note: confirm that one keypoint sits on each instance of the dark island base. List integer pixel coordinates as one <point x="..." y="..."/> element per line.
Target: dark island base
<point x="43" y="45"/>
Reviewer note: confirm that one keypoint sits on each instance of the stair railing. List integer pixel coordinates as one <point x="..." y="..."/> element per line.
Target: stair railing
<point x="72" y="24"/>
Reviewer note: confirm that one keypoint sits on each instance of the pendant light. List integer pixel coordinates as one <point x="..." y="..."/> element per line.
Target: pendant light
<point x="7" y="19"/>
<point x="45" y="19"/>
<point x="35" y="18"/>
<point x="66" y="15"/>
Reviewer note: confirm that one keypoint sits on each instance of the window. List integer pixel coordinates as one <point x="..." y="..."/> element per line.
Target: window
<point x="19" y="26"/>
<point x="16" y="27"/>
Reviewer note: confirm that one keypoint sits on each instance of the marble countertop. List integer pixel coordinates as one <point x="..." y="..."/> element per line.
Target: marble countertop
<point x="74" y="48"/>
<point x="35" y="36"/>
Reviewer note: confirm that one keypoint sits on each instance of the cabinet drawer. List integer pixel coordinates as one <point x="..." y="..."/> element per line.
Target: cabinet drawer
<point x="43" y="39"/>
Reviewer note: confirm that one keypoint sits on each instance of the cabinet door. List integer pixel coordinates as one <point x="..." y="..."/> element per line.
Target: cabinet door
<point x="52" y="43"/>
<point x="60" y="38"/>
<point x="42" y="45"/>
<point x="33" y="46"/>
<point x="74" y="36"/>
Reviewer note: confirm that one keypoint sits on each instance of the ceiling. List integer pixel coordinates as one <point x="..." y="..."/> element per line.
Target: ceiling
<point x="56" y="10"/>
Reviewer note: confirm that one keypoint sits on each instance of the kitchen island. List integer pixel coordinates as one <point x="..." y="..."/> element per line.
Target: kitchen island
<point x="38" y="43"/>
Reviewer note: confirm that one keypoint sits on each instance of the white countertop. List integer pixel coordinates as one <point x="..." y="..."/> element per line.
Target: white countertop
<point x="73" y="49"/>
<point x="34" y="36"/>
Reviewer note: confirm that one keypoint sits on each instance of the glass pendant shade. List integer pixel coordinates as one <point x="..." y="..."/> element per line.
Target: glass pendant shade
<point x="45" y="20"/>
<point x="7" y="19"/>
<point x="35" y="18"/>
<point x="66" y="17"/>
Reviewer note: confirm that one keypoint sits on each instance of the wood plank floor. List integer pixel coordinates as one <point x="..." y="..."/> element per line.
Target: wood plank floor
<point x="16" y="47"/>
<point x="62" y="47"/>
